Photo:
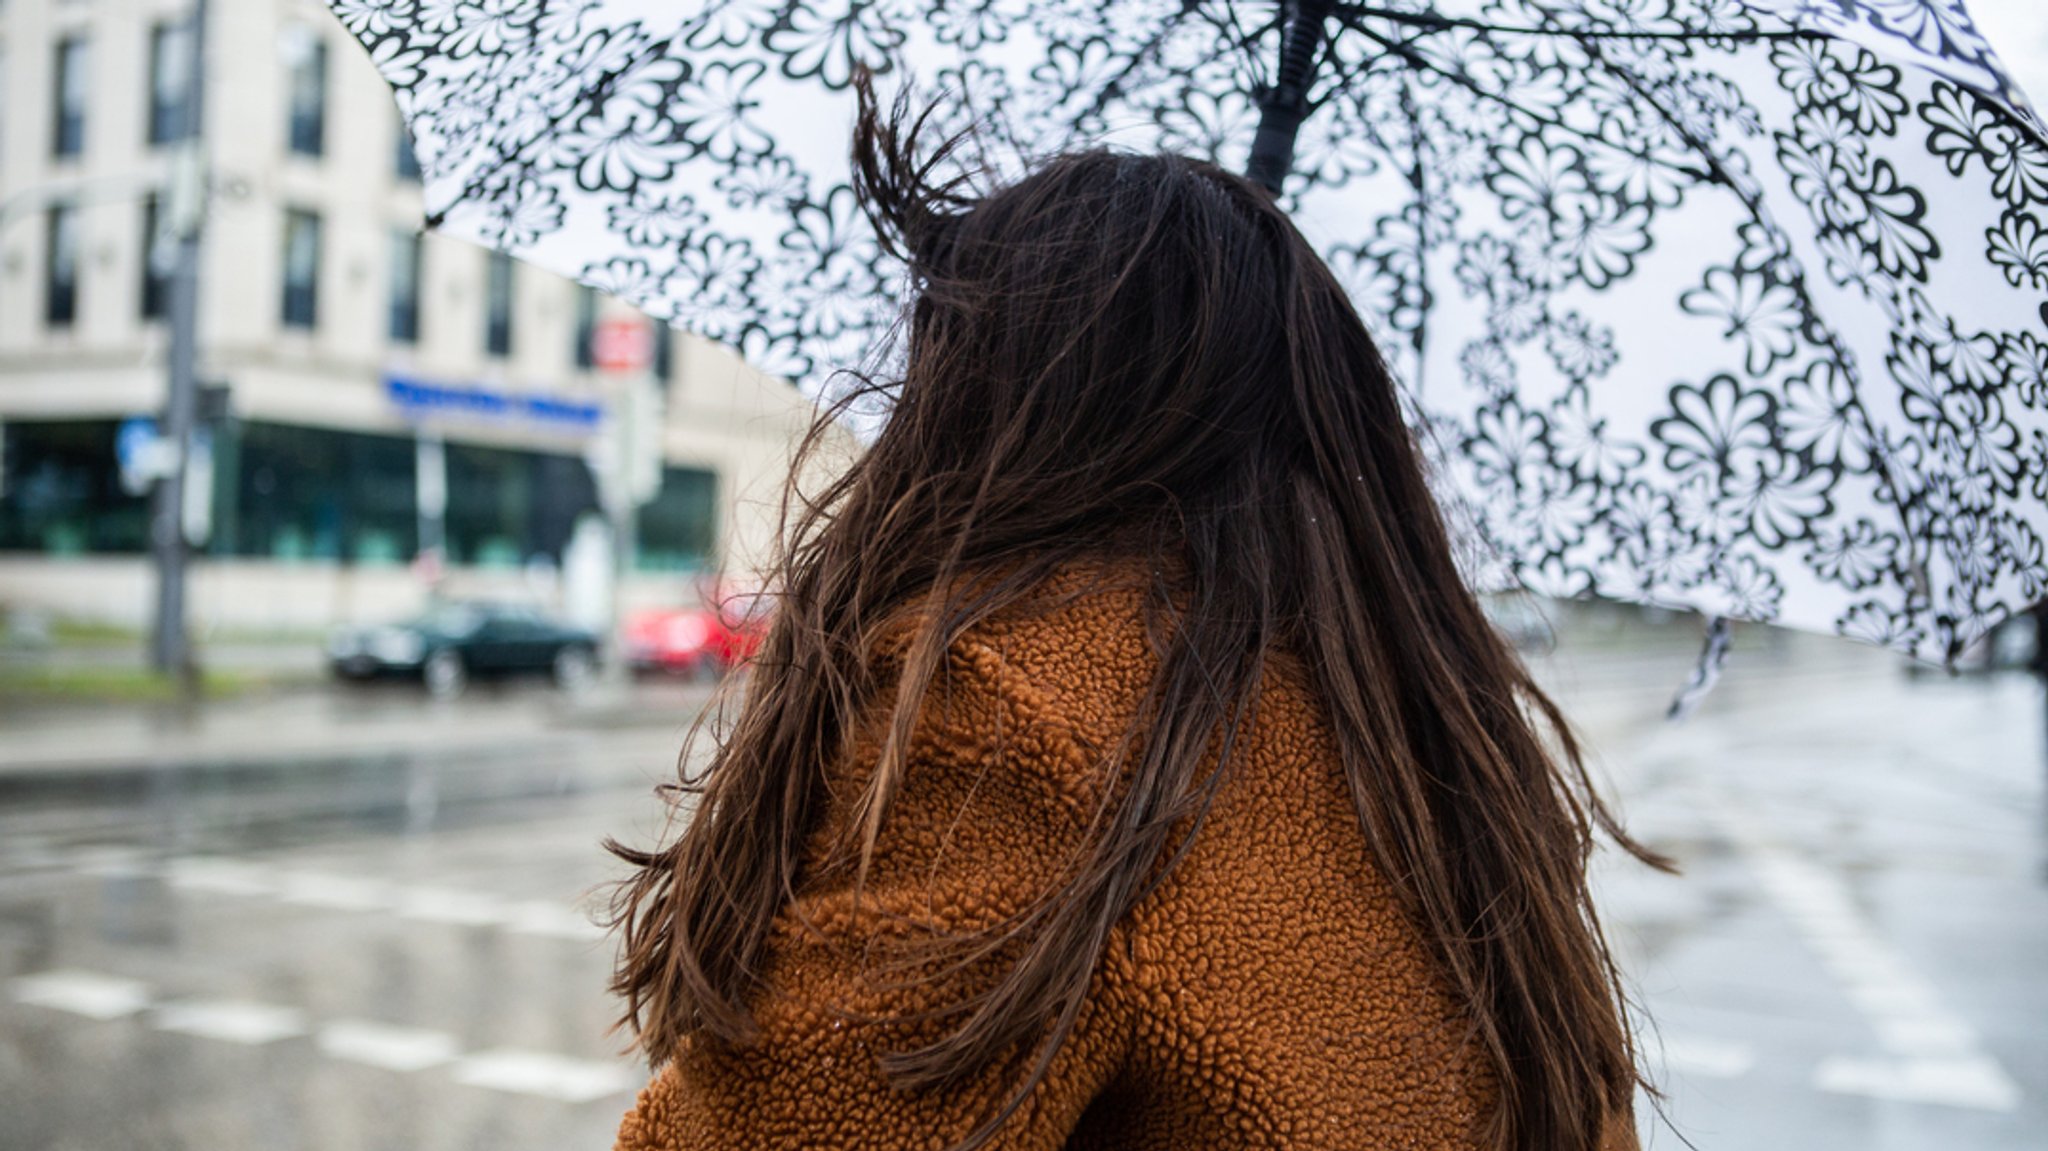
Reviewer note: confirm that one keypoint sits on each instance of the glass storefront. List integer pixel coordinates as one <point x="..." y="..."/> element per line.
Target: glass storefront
<point x="313" y="494"/>
<point x="293" y="494"/>
<point x="678" y="528"/>
<point x="507" y="508"/>
<point x="60" y="491"/>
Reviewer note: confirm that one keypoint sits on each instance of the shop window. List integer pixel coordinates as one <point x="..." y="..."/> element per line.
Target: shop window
<point x="297" y="494"/>
<point x="678" y="528"/>
<point x="61" y="494"/>
<point x="507" y="508"/>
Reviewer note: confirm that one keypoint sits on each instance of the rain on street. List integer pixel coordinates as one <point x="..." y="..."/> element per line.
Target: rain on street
<point x="381" y="947"/>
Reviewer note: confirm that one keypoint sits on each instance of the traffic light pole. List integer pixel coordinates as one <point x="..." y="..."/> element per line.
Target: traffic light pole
<point x="170" y="644"/>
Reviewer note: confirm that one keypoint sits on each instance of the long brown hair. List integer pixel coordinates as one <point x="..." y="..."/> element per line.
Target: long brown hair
<point x="1123" y="355"/>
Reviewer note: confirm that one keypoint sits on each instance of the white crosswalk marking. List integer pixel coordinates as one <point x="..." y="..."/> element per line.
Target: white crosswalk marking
<point x="1696" y="1055"/>
<point x="452" y="906"/>
<point x="1933" y="1054"/>
<point x="368" y="1042"/>
<point x="231" y="1021"/>
<point x="538" y="1073"/>
<point x="551" y="919"/>
<point x="335" y="892"/>
<point x="327" y="891"/>
<point x="114" y="862"/>
<point x="81" y="993"/>
<point x="220" y="876"/>
<point x="384" y="1045"/>
<point x="1966" y="1080"/>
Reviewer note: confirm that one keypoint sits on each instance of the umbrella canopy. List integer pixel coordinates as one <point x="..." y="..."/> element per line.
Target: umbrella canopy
<point x="1733" y="305"/>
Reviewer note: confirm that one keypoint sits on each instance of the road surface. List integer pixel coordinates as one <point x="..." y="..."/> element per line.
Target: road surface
<point x="383" y="949"/>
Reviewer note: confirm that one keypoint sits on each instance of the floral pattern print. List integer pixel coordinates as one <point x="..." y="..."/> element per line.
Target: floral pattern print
<point x="1736" y="305"/>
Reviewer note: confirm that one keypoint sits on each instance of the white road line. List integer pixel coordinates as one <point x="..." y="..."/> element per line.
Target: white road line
<point x="1934" y="1055"/>
<point x="231" y="1021"/>
<point x="387" y="1046"/>
<point x="220" y="876"/>
<point x="538" y="917"/>
<point x="1955" y="1081"/>
<point x="1701" y="1056"/>
<point x="452" y="905"/>
<point x="114" y="862"/>
<point x="335" y="892"/>
<point x="81" y="993"/>
<point x="550" y="1076"/>
<point x="374" y="1044"/>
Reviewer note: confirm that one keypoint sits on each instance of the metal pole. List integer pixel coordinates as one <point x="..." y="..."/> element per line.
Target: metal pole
<point x="625" y="558"/>
<point x="1284" y="103"/>
<point x="170" y="645"/>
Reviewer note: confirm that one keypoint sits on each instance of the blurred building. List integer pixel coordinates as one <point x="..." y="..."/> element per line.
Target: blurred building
<point x="363" y="364"/>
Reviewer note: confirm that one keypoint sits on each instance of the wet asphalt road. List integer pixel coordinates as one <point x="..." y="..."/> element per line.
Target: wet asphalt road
<point x="390" y="951"/>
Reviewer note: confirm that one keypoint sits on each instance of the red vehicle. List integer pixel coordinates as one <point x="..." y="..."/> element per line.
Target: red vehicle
<point x="705" y="642"/>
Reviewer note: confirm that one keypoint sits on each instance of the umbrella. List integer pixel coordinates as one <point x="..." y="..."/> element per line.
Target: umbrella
<point x="1732" y="305"/>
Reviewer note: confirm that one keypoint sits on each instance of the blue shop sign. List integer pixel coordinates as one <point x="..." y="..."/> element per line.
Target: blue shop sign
<point x="420" y="398"/>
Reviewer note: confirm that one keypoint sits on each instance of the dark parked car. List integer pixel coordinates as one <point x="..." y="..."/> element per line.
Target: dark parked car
<point x="454" y="642"/>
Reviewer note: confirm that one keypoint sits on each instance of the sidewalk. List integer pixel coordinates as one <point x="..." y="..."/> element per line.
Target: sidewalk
<point x="1613" y="681"/>
<point x="317" y="722"/>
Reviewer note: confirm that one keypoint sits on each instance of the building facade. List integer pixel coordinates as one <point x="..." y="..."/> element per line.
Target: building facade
<point x="387" y="393"/>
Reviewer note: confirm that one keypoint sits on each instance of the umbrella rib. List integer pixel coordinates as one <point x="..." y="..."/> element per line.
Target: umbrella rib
<point x="1416" y="180"/>
<point x="1430" y="21"/>
<point x="1243" y="40"/>
<point x="1110" y="87"/>
<point x="1797" y="274"/>
<point x="1406" y="51"/>
<point x="517" y="154"/>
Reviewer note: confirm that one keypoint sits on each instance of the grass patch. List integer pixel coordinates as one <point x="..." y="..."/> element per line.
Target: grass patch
<point x="87" y="634"/>
<point x="114" y="685"/>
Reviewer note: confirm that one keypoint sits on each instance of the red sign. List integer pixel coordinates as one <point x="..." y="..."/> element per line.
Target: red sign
<point x="624" y="345"/>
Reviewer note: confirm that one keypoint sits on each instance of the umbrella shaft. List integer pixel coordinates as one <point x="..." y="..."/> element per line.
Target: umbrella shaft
<point x="1284" y="104"/>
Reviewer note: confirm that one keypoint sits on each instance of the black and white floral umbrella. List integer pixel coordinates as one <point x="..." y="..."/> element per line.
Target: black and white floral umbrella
<point x="1734" y="305"/>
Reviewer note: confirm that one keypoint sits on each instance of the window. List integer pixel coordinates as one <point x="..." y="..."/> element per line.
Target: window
<point x="72" y="83"/>
<point x="60" y="491"/>
<point x="305" y="61"/>
<point x="405" y="286"/>
<point x="301" y="268"/>
<point x="60" y="267"/>
<point x="498" y="305"/>
<point x="663" y="361"/>
<point x="586" y="326"/>
<point x="156" y="268"/>
<point x="678" y="528"/>
<point x="297" y="494"/>
<point x="405" y="162"/>
<point x="170" y="78"/>
<point x="506" y="507"/>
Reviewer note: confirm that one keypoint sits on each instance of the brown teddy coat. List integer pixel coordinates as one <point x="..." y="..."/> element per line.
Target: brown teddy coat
<point x="1271" y="993"/>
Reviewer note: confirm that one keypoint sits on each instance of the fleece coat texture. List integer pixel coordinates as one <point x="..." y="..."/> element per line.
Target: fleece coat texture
<point x="1270" y="993"/>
